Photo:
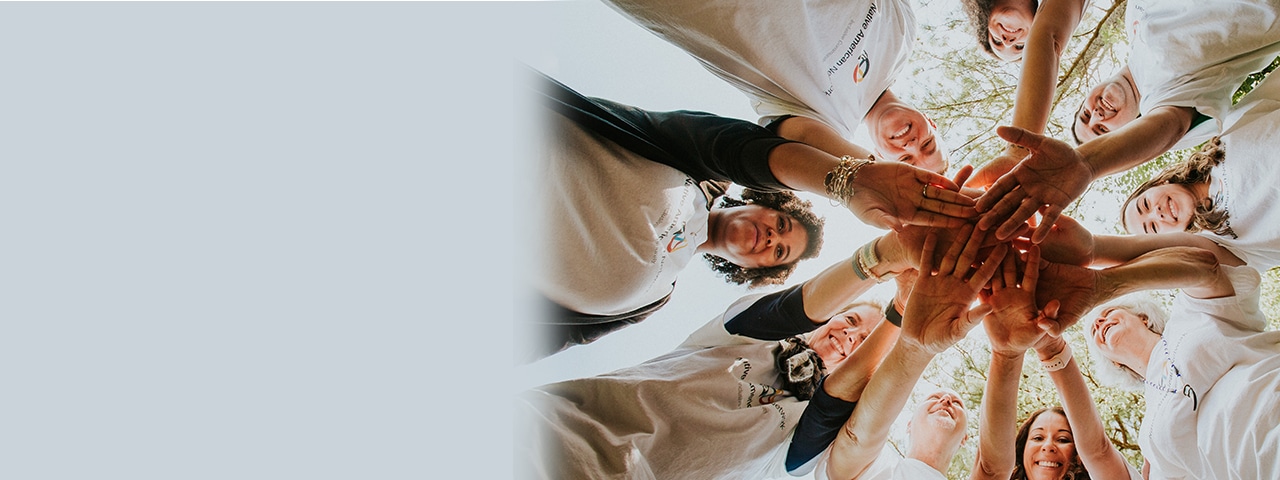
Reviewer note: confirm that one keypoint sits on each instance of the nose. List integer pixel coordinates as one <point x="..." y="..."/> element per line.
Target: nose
<point x="1048" y="447"/>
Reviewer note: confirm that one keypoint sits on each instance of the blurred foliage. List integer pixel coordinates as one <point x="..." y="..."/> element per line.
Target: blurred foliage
<point x="967" y="108"/>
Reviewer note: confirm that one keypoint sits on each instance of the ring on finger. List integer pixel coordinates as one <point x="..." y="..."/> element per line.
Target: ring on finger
<point x="924" y="192"/>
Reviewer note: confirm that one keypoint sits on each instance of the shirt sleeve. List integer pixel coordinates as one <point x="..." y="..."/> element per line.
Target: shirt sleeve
<point x="704" y="146"/>
<point x="774" y="316"/>
<point x="817" y="428"/>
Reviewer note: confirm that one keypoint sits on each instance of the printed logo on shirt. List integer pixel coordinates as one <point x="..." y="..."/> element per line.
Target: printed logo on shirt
<point x="677" y="241"/>
<point x="860" y="72"/>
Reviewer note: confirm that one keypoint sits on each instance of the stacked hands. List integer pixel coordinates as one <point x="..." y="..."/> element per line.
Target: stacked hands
<point x="1055" y="252"/>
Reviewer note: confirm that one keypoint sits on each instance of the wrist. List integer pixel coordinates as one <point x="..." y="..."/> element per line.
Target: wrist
<point x="1046" y="352"/>
<point x="1007" y="354"/>
<point x="1059" y="361"/>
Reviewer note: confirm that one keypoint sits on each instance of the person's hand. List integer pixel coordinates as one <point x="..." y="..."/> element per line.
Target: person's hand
<point x="911" y="239"/>
<point x="1068" y="242"/>
<point x="1052" y="177"/>
<point x="938" y="313"/>
<point x="1077" y="289"/>
<point x="906" y="280"/>
<point x="997" y="167"/>
<point x="892" y="194"/>
<point x="1011" y="326"/>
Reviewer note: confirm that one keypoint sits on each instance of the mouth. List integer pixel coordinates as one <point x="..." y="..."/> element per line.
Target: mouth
<point x="901" y="133"/>
<point x="1048" y="464"/>
<point x="1102" y="334"/>
<point x="1173" y="209"/>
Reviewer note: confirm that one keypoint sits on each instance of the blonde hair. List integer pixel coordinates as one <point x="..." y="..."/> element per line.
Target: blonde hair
<point x="1155" y="316"/>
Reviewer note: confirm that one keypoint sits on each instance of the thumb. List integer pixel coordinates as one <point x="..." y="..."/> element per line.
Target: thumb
<point x="1020" y="136"/>
<point x="982" y="178"/>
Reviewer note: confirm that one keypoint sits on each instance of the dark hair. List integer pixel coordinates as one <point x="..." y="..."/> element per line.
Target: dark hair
<point x="1076" y="471"/>
<point x="979" y="13"/>
<point x="785" y="202"/>
<point x="1195" y="169"/>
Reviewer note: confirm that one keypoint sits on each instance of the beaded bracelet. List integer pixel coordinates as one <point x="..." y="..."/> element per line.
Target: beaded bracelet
<point x="839" y="181"/>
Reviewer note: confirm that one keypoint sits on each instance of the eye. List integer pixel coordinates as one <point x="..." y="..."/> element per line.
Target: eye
<point x="1019" y="47"/>
<point x="996" y="42"/>
<point x="778" y="252"/>
<point x="782" y="224"/>
<point x="1037" y="438"/>
<point x="1102" y="129"/>
<point x="1064" y="440"/>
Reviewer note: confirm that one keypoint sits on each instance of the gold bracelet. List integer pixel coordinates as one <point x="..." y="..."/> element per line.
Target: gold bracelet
<point x="839" y="181"/>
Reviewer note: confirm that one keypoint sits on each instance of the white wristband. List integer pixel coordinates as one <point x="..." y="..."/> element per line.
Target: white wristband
<point x="1059" y="361"/>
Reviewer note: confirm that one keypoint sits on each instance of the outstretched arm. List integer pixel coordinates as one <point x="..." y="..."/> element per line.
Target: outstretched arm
<point x="937" y="316"/>
<point x="1096" y="451"/>
<point x="1050" y="31"/>
<point x="1011" y="328"/>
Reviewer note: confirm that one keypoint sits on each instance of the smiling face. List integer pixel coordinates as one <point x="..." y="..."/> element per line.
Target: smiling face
<point x="835" y="340"/>
<point x="904" y="134"/>
<point x="1160" y="209"/>
<point x="939" y="421"/>
<point x="753" y="236"/>
<point x="1050" y="448"/>
<point x="1109" y="106"/>
<point x="1117" y="332"/>
<point x="1008" y="29"/>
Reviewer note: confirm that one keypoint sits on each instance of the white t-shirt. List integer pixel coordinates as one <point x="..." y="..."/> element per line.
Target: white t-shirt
<point x="1213" y="389"/>
<point x="888" y="466"/>
<point x="1195" y="53"/>
<point x="619" y="228"/>
<point x="823" y="59"/>
<point x="711" y="408"/>
<point x="1247" y="183"/>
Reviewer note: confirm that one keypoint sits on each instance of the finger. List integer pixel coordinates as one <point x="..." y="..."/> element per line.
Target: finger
<point x="1050" y="327"/>
<point x="1021" y="136"/>
<point x="877" y="218"/>
<point x="1010" y="271"/>
<point x="926" y="255"/>
<point x="989" y="266"/>
<point x="984" y="177"/>
<point x="1051" y="309"/>
<point x="973" y="316"/>
<point x="1001" y="188"/>
<point x="1032" y="276"/>
<point x="948" y="263"/>
<point x="1001" y="210"/>
<point x="947" y="196"/>
<point x="926" y="177"/>
<point x="930" y="219"/>
<point x="970" y="252"/>
<point x="1019" y="217"/>
<point x="949" y="209"/>
<point x="1050" y="215"/>
<point x="963" y="174"/>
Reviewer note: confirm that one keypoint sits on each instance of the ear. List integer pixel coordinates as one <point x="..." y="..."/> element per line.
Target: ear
<point x="930" y="120"/>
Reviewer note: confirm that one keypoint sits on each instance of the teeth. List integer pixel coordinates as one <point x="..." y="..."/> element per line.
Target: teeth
<point x="902" y="132"/>
<point x="1043" y="463"/>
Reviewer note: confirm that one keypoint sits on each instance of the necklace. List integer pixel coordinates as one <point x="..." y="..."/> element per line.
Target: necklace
<point x="1187" y="390"/>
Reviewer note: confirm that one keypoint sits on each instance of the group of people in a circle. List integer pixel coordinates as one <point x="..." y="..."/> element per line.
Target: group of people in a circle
<point x="810" y="378"/>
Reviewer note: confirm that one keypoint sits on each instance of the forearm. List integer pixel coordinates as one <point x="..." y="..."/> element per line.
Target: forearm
<point x="1115" y="249"/>
<point x="864" y="435"/>
<point x="827" y="293"/>
<point x="1141" y="140"/>
<point x="820" y="136"/>
<point x="802" y="167"/>
<point x="1099" y="456"/>
<point x="1195" y="270"/>
<point x="998" y="426"/>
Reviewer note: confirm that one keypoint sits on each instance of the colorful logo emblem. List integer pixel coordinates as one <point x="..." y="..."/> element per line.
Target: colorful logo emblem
<point x="860" y="73"/>
<point x="677" y="242"/>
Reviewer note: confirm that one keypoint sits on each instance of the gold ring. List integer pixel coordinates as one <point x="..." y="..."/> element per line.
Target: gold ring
<point x="924" y="192"/>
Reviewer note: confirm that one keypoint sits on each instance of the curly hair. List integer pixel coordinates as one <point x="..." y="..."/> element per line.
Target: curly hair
<point x="785" y="202"/>
<point x="1076" y="472"/>
<point x="1195" y="169"/>
<point x="979" y="13"/>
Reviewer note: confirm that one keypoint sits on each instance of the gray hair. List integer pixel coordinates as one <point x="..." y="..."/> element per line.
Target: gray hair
<point x="1155" y="316"/>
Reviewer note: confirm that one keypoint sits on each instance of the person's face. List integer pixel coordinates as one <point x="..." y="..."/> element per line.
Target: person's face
<point x="835" y="340"/>
<point x="1160" y="209"/>
<point x="754" y="236"/>
<point x="1117" y="332"/>
<point x="939" y="420"/>
<point x="1050" y="448"/>
<point x="904" y="134"/>
<point x="1008" y="29"/>
<point x="1109" y="106"/>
